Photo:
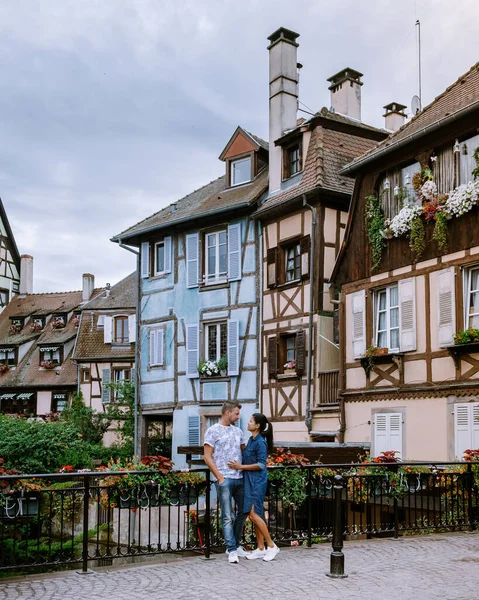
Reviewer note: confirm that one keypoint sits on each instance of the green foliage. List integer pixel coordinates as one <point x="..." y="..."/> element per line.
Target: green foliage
<point x="417" y="241"/>
<point x="440" y="231"/>
<point x="468" y="336"/>
<point x="223" y="363"/>
<point x="291" y="484"/>
<point x="375" y="227"/>
<point x="475" y="172"/>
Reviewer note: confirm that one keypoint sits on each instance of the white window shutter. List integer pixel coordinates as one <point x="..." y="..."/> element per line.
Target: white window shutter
<point x="194" y="434"/>
<point x="475" y="426"/>
<point x="105" y="389"/>
<point x="234" y="251"/>
<point x="192" y="350"/>
<point x="167" y="246"/>
<point x="233" y="347"/>
<point x="388" y="433"/>
<point x="160" y="347"/>
<point x="192" y="263"/>
<point x="407" y="314"/>
<point x="446" y="307"/>
<point x="359" y="323"/>
<point x="380" y="434"/>
<point x="395" y="433"/>
<point x="462" y="429"/>
<point x="107" y="329"/>
<point x="152" y="347"/>
<point x="132" y="329"/>
<point x="145" y="259"/>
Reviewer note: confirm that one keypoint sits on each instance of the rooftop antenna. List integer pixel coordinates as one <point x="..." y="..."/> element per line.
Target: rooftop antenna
<point x="418" y="42"/>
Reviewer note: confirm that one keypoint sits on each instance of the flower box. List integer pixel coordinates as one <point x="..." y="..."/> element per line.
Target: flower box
<point x="289" y="372"/>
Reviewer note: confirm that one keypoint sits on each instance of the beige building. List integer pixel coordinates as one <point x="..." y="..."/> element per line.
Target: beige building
<point x="406" y="383"/>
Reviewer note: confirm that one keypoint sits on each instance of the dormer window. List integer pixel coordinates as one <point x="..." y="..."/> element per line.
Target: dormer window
<point x="240" y="171"/>
<point x="38" y="323"/>
<point x="292" y="160"/>
<point x="16" y="325"/>
<point x="58" y="321"/>
<point x="120" y="330"/>
<point x="50" y="356"/>
<point x="8" y="356"/>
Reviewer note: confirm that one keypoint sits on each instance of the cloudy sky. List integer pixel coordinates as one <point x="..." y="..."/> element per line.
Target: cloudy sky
<point x="111" y="109"/>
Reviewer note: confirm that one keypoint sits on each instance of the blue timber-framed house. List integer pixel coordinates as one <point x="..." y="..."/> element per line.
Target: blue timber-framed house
<point x="199" y="301"/>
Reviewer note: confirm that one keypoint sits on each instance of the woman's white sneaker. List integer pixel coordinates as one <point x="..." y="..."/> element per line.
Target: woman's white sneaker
<point x="241" y="552"/>
<point x="256" y="554"/>
<point x="271" y="553"/>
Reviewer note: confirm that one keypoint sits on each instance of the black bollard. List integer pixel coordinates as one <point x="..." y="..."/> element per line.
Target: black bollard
<point x="337" y="556"/>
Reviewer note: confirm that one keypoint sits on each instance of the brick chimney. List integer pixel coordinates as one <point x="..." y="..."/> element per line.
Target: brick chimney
<point x="88" y="286"/>
<point x="283" y="95"/>
<point x="26" y="274"/>
<point x="394" y="117"/>
<point x="346" y="93"/>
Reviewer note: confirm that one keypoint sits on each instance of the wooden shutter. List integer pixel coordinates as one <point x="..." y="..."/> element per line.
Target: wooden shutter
<point x="107" y="329"/>
<point x="305" y="248"/>
<point x="233" y="347"/>
<point x="300" y="352"/>
<point x="105" y="388"/>
<point x="272" y="356"/>
<point x="407" y="314"/>
<point x="192" y="350"/>
<point x="358" y="304"/>
<point x="132" y="329"/>
<point x="167" y="247"/>
<point x="395" y="433"/>
<point x="380" y="434"/>
<point x="446" y="309"/>
<point x="234" y="251"/>
<point x="157" y="347"/>
<point x="272" y="264"/>
<point x="192" y="260"/>
<point x="145" y="259"/>
<point x="462" y="428"/>
<point x="194" y="433"/>
<point x="475" y="426"/>
<point x="387" y="433"/>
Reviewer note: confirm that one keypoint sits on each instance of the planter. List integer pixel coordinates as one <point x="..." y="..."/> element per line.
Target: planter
<point x="223" y="373"/>
<point x="380" y="351"/>
<point x="289" y="372"/>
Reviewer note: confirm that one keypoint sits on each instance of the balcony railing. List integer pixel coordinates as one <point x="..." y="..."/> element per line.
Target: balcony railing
<point x="328" y="387"/>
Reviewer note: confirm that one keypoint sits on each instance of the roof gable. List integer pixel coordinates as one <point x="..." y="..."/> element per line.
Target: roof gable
<point x="241" y="142"/>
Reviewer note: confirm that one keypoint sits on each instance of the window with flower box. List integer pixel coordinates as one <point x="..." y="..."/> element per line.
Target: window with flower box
<point x="471" y="297"/>
<point x="59" y="401"/>
<point x="216" y="341"/>
<point x="50" y="356"/>
<point x="387" y="318"/>
<point x="37" y="324"/>
<point x="288" y="262"/>
<point x="59" y="321"/>
<point x="286" y="354"/>
<point x="8" y="356"/>
<point x="16" y="324"/>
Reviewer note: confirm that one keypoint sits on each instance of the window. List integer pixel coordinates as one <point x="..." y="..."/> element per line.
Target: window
<point x="216" y="268"/>
<point x="240" y="171"/>
<point x="4" y="295"/>
<point x="59" y="401"/>
<point x="387" y="433"/>
<point x="101" y="321"/>
<point x="17" y="323"/>
<point x="467" y="160"/>
<point x="286" y="354"/>
<point x="50" y="356"/>
<point x="38" y="323"/>
<point x="159" y="257"/>
<point x="472" y="297"/>
<point x="159" y="436"/>
<point x="216" y="341"/>
<point x="120" y="330"/>
<point x="466" y="427"/>
<point x="119" y="376"/>
<point x="387" y="318"/>
<point x="292" y="262"/>
<point x="85" y="375"/>
<point x="8" y="356"/>
<point x="291" y="161"/>
<point x="58" y="321"/>
<point x="21" y="404"/>
<point x="407" y="189"/>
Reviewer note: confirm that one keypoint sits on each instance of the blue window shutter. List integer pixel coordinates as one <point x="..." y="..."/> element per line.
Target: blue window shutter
<point x="234" y="251"/>
<point x="233" y="348"/>
<point x="105" y="388"/>
<point x="192" y="350"/>
<point x="168" y="247"/>
<point x="192" y="262"/>
<point x="145" y="259"/>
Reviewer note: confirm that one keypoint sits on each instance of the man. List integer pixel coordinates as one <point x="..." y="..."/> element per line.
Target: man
<point x="224" y="442"/>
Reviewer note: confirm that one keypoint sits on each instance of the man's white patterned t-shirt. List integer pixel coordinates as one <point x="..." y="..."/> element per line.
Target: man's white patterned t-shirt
<point x="226" y="443"/>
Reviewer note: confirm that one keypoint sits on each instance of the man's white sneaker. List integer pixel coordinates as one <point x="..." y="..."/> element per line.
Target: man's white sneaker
<point x="233" y="557"/>
<point x="256" y="554"/>
<point x="271" y="553"/>
<point x="241" y="552"/>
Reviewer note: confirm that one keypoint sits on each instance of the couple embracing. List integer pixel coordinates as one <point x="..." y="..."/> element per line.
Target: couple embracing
<point x="240" y="473"/>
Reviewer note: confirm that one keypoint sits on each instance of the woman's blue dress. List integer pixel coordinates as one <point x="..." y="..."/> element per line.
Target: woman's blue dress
<point x="255" y="482"/>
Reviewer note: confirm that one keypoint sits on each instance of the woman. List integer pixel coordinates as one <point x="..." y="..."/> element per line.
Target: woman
<point x="255" y="483"/>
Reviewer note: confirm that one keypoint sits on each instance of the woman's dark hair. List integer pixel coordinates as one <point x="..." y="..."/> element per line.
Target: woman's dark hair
<point x="265" y="428"/>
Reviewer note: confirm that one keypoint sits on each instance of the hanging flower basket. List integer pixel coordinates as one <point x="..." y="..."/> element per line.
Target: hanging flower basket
<point x="13" y="329"/>
<point x="47" y="364"/>
<point x="35" y="327"/>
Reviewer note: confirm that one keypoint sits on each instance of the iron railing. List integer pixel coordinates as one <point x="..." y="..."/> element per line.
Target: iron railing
<point x="85" y="519"/>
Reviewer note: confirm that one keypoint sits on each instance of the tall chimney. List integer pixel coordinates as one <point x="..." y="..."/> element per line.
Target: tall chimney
<point x="394" y="117"/>
<point x="346" y="93"/>
<point x="26" y="274"/>
<point x="283" y="95"/>
<point x="88" y="286"/>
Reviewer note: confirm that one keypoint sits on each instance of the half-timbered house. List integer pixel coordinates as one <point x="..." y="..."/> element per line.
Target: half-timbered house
<point x="303" y="219"/>
<point x="9" y="261"/>
<point x="199" y="298"/>
<point x="408" y="272"/>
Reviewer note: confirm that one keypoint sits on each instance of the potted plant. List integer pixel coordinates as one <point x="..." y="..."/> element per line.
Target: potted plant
<point x="14" y="328"/>
<point x="368" y="361"/>
<point x="208" y="368"/>
<point x="222" y="365"/>
<point x="76" y="321"/>
<point x="289" y="368"/>
<point x="58" y="323"/>
<point x="468" y="336"/>
<point x="4" y="368"/>
<point x="47" y="364"/>
<point x="35" y="327"/>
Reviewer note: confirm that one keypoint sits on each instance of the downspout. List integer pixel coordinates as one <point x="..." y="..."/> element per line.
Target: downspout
<point x="309" y="368"/>
<point x="137" y="349"/>
<point x="259" y="319"/>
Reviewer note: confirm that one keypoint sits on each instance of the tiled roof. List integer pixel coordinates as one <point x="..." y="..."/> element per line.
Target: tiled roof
<point x="462" y="93"/>
<point x="90" y="343"/>
<point x="258" y="140"/>
<point x="122" y="295"/>
<point x="210" y="198"/>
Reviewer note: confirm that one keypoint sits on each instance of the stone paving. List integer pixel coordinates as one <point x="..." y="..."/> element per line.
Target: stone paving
<point x="429" y="567"/>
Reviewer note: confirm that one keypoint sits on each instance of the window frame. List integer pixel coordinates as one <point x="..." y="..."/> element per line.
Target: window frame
<point x="467" y="295"/>
<point x="45" y="349"/>
<point x="285" y="248"/>
<point x="6" y="292"/>
<point x="124" y="319"/>
<point x="116" y="379"/>
<point x="218" y="324"/>
<point x="85" y="375"/>
<point x="54" y="401"/>
<point x="376" y="313"/>
<point x="283" y="351"/>
<point x="238" y="160"/>
<point x="158" y="271"/>
<point x="10" y="362"/>
<point x="289" y="162"/>
<point x="219" y="277"/>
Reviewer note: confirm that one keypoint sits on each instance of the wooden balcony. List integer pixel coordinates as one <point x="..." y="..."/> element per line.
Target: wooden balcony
<point x="328" y="388"/>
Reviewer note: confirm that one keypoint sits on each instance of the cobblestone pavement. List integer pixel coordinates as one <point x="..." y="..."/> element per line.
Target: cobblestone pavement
<point x="424" y="567"/>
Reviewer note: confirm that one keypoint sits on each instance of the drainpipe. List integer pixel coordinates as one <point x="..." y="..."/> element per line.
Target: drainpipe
<point x="137" y="349"/>
<point x="309" y="369"/>
<point x="259" y="319"/>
